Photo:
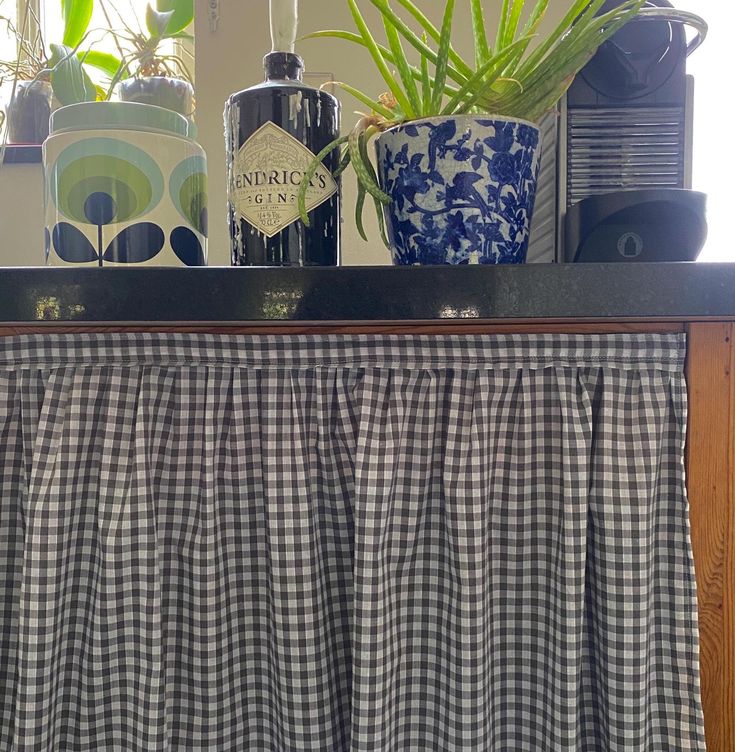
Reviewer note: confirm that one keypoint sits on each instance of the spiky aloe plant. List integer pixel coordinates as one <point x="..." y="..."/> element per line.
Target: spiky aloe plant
<point x="509" y="76"/>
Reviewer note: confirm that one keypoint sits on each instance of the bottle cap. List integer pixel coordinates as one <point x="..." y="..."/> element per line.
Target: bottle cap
<point x="283" y="66"/>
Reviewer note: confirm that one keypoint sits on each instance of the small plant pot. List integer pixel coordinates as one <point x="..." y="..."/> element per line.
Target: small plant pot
<point x="29" y="111"/>
<point x="462" y="189"/>
<point x="172" y="93"/>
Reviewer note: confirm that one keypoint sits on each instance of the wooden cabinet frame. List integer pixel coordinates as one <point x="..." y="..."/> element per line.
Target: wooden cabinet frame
<point x="710" y="465"/>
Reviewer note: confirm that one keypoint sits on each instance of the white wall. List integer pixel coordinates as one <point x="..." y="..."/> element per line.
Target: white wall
<point x="21" y="215"/>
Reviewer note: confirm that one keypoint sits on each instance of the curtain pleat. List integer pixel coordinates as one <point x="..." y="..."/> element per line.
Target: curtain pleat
<point x="345" y="544"/>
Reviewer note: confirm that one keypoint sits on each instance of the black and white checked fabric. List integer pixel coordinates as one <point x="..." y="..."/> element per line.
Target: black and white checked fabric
<point x="345" y="544"/>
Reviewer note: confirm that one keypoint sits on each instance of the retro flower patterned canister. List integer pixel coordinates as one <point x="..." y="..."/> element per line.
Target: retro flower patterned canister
<point x="126" y="183"/>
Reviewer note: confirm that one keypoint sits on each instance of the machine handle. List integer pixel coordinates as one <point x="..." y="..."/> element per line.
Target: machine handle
<point x="672" y="15"/>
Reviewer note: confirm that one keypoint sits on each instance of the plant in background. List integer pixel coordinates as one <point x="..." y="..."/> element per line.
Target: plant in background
<point x="62" y="63"/>
<point x="36" y="60"/>
<point x="44" y="72"/>
<point x="144" y="61"/>
<point x="509" y="75"/>
<point x="32" y="60"/>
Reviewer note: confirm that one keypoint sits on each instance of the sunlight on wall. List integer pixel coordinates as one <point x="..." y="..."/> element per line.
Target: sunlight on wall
<point x="714" y="159"/>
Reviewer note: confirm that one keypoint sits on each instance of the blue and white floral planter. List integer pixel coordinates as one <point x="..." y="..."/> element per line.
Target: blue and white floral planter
<point x="462" y="189"/>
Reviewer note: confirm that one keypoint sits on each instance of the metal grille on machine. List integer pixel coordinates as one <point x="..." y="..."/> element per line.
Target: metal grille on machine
<point x="611" y="149"/>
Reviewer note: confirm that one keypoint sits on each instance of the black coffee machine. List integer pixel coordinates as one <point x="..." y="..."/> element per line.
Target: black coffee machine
<point x="620" y="186"/>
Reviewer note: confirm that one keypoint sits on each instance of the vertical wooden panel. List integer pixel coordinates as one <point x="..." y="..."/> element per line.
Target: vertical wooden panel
<point x="711" y="482"/>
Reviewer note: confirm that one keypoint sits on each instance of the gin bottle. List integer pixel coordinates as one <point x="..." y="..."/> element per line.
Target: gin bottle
<point x="273" y="130"/>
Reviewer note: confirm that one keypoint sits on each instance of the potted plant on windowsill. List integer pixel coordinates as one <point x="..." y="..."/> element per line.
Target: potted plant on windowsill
<point x="146" y="73"/>
<point x="30" y="104"/>
<point x="45" y="76"/>
<point x="457" y="143"/>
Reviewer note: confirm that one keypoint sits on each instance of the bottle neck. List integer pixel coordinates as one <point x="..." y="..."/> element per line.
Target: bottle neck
<point x="283" y="66"/>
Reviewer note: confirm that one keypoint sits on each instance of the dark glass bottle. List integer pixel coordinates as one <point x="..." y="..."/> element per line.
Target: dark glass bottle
<point x="272" y="132"/>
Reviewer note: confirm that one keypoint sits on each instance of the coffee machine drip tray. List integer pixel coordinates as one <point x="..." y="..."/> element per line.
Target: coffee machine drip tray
<point x="641" y="225"/>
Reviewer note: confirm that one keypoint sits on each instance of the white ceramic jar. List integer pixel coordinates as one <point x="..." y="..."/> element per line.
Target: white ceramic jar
<point x="126" y="183"/>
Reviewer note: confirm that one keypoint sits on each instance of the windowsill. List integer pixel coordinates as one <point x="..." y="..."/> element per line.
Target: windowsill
<point x="22" y="154"/>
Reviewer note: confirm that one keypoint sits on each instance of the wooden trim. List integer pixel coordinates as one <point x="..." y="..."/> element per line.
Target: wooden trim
<point x="376" y="328"/>
<point x="711" y="484"/>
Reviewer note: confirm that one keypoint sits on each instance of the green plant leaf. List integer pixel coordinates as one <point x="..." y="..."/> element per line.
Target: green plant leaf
<point x="183" y="14"/>
<point x="378" y="205"/>
<point x="157" y="21"/>
<point x="404" y="71"/>
<point x="512" y="23"/>
<point x="359" y="208"/>
<point x="575" y="12"/>
<point x="537" y="15"/>
<point x="469" y="94"/>
<point x="529" y="32"/>
<point x="369" y="101"/>
<point x="443" y="57"/>
<point x="580" y="42"/>
<point x="459" y="75"/>
<point x="309" y="174"/>
<point x="350" y="36"/>
<point x="76" y="15"/>
<point x="425" y="85"/>
<point x="545" y="83"/>
<point x="344" y="163"/>
<point x="362" y="171"/>
<point x="378" y="58"/>
<point x="502" y="22"/>
<point x="103" y="61"/>
<point x="482" y="48"/>
<point x="434" y="33"/>
<point x="70" y="82"/>
<point x="123" y="71"/>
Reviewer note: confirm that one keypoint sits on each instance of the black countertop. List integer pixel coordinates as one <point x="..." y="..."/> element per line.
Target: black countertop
<point x="365" y="294"/>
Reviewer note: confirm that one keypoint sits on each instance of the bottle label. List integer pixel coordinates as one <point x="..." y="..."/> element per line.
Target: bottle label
<point x="265" y="179"/>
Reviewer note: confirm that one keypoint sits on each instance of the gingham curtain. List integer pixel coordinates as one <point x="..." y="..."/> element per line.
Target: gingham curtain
<point x="355" y="543"/>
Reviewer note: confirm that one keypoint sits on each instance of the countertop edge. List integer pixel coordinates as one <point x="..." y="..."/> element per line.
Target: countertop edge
<point x="365" y="296"/>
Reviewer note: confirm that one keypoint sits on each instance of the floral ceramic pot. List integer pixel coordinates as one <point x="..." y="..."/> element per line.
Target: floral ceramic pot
<point x="125" y="184"/>
<point x="462" y="189"/>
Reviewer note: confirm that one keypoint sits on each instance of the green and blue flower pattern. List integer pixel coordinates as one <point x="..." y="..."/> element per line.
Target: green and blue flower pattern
<point x="106" y="181"/>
